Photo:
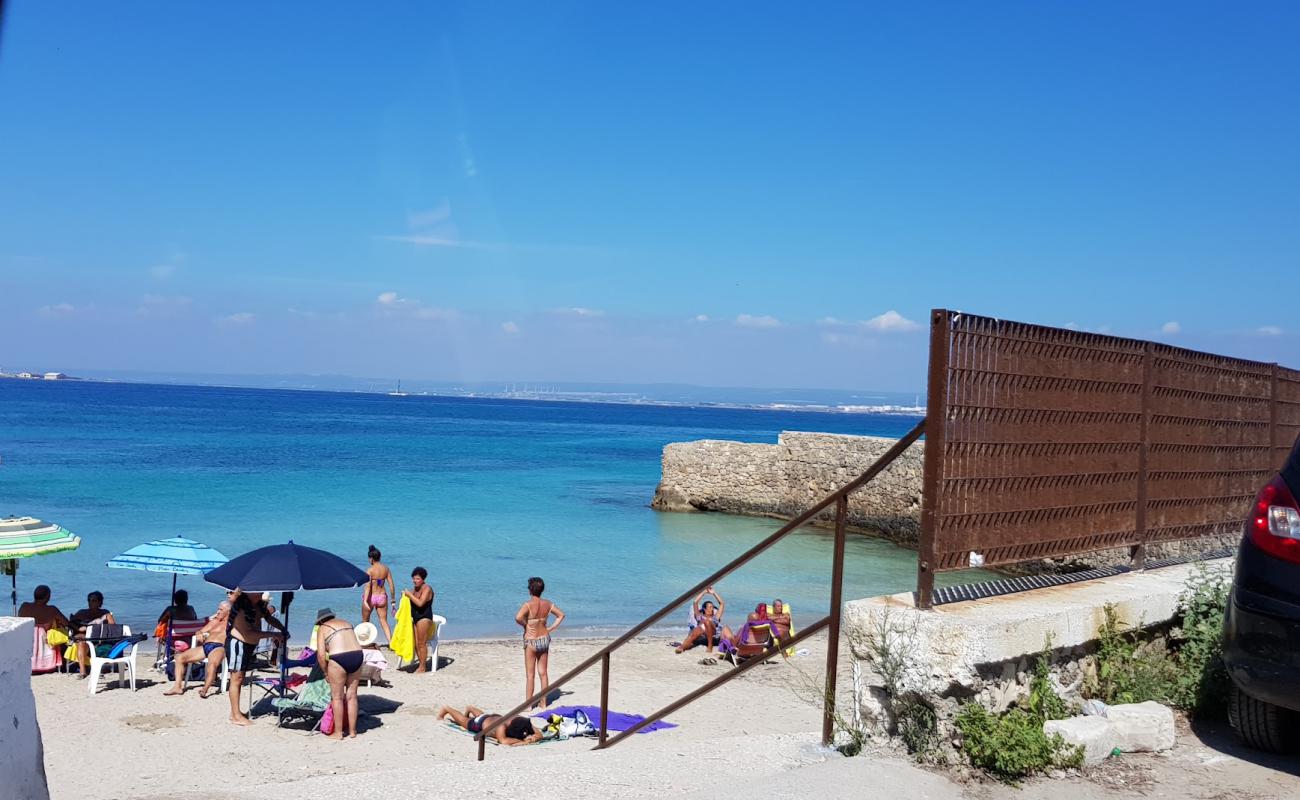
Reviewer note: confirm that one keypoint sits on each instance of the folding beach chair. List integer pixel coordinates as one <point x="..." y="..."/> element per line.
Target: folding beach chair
<point x="309" y="703"/>
<point x="752" y="640"/>
<point x="183" y="630"/>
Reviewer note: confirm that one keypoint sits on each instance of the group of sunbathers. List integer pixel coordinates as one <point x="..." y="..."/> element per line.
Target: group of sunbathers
<point x="708" y="629"/>
<point x="49" y="617"/>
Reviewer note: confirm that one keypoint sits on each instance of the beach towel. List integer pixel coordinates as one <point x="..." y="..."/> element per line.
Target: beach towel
<point x="617" y="722"/>
<point x="44" y="657"/>
<point x="403" y="641"/>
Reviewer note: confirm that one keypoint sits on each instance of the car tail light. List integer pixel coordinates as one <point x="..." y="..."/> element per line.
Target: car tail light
<point x="1275" y="521"/>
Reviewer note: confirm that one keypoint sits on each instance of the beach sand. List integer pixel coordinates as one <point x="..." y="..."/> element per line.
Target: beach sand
<point x="143" y="744"/>
<point x="757" y="735"/>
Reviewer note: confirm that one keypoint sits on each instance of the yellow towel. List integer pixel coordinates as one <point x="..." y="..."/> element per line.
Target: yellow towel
<point x="403" y="641"/>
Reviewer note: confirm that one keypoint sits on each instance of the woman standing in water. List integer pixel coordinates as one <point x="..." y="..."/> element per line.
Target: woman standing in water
<point x="378" y="592"/>
<point x="421" y="596"/>
<point x="532" y="617"/>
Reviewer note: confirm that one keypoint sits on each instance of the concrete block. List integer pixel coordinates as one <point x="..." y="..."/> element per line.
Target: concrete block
<point x="1096" y="734"/>
<point x="1142" y="727"/>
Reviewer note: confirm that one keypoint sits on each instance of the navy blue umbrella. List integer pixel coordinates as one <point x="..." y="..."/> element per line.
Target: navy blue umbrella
<point x="286" y="568"/>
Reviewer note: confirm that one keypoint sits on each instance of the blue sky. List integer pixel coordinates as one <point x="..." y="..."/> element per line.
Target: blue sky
<point x="726" y="194"/>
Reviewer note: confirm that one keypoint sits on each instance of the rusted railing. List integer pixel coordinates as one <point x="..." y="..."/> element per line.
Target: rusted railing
<point x="831" y="622"/>
<point x="1043" y="442"/>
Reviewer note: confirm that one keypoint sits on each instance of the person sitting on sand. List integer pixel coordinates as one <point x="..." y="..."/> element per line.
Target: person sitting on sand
<point x="421" y="596"/>
<point x="39" y="609"/>
<point x="533" y="617"/>
<point x="378" y="592"/>
<point x="338" y="653"/>
<point x="706" y="626"/>
<point x="519" y="730"/>
<point x="245" y="631"/>
<point x="93" y="614"/>
<point x="211" y="646"/>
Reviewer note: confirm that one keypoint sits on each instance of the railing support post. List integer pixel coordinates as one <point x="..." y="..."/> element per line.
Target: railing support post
<point x="833" y="639"/>
<point x="604" y="699"/>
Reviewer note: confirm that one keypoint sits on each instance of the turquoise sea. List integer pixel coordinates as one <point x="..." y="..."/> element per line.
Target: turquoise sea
<point x="483" y="493"/>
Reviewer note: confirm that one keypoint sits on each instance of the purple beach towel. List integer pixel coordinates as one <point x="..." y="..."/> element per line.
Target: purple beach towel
<point x="616" y="723"/>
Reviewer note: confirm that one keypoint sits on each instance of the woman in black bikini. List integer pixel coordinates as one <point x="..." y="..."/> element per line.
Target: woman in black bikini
<point x="339" y="655"/>
<point x="421" y="596"/>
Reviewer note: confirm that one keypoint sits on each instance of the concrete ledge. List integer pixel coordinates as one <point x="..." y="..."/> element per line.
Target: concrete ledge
<point x="982" y="649"/>
<point x="22" y="756"/>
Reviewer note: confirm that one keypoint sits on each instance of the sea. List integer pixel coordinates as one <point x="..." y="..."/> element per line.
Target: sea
<point x="483" y="493"/>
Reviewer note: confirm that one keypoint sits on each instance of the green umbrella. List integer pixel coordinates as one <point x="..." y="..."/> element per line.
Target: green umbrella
<point x="21" y="537"/>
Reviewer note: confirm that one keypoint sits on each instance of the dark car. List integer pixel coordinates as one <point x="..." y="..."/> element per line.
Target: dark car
<point x="1261" y="629"/>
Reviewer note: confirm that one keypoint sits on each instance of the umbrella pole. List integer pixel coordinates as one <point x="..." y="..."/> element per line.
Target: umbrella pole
<point x="285" y="601"/>
<point x="171" y="612"/>
<point x="13" y="591"/>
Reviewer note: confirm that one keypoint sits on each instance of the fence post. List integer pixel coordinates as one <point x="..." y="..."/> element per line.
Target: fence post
<point x="833" y="640"/>
<point x="1273" y="444"/>
<point x="1139" y="553"/>
<point x="936" y="413"/>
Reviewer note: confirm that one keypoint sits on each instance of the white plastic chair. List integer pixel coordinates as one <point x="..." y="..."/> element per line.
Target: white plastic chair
<point x="126" y="662"/>
<point x="439" y="622"/>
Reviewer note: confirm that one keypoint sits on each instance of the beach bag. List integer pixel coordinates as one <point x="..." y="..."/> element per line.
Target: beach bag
<point x="56" y="637"/>
<point x="327" y="720"/>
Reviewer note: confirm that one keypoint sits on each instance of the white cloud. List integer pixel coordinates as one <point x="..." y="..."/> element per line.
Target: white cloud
<point x="238" y="318"/>
<point x="391" y="303"/>
<point x="892" y="322"/>
<point x="163" y="305"/>
<point x="509" y="327"/>
<point x="162" y="271"/>
<point x="1071" y="326"/>
<point x="831" y="321"/>
<point x="57" y="310"/>
<point x="1269" y="330"/>
<point x="701" y="317"/>
<point x="757" y="321"/>
<point x="1171" y="327"/>
<point x="578" y="311"/>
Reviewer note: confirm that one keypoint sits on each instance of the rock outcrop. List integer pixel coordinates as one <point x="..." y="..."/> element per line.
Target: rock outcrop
<point x="784" y="479"/>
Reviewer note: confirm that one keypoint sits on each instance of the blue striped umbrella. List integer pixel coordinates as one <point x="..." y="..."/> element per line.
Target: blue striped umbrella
<point x="178" y="555"/>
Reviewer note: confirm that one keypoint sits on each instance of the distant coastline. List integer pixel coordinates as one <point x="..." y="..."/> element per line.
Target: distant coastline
<point x="632" y="394"/>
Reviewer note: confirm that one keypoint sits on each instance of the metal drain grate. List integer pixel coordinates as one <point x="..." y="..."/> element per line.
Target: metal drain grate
<point x="979" y="591"/>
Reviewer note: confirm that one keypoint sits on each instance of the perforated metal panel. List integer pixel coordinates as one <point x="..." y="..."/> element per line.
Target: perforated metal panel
<point x="1044" y="442"/>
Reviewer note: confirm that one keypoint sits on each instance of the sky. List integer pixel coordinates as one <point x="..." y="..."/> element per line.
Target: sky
<point x="727" y="194"/>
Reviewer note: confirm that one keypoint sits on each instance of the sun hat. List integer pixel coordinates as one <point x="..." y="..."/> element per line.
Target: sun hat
<point x="324" y="615"/>
<point x="367" y="634"/>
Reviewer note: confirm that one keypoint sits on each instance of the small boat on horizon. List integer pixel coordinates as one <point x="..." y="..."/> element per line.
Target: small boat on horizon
<point x="398" y="392"/>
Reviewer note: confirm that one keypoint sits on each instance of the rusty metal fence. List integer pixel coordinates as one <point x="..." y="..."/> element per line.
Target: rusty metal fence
<point x="1043" y="442"/>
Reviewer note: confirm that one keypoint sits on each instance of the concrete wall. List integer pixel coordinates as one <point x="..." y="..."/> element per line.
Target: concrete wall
<point x="784" y="479"/>
<point x="984" y="650"/>
<point x="22" y="755"/>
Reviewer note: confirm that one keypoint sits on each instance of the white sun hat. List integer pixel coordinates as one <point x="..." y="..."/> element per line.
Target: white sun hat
<point x="367" y="633"/>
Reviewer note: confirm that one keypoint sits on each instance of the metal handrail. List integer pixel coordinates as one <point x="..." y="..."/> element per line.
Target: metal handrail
<point x="839" y="498"/>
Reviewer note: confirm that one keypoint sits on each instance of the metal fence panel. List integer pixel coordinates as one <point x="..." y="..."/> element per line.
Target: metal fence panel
<point x="1045" y="442"/>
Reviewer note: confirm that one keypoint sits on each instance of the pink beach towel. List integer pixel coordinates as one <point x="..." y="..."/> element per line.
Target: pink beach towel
<point x="44" y="657"/>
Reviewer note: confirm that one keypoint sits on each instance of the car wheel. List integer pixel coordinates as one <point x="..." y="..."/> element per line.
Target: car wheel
<point x="1261" y="725"/>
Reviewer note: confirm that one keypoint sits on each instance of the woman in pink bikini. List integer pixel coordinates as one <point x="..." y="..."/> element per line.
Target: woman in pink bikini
<point x="378" y="594"/>
<point x="533" y="617"/>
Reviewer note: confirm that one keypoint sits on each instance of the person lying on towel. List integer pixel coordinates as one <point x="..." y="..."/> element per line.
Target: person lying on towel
<point x="518" y="730"/>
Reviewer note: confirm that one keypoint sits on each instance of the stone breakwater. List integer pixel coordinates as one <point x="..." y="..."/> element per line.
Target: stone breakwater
<point x="782" y="480"/>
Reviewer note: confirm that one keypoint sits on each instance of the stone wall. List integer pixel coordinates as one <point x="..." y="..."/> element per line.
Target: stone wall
<point x="784" y="479"/>
<point x="22" y="756"/>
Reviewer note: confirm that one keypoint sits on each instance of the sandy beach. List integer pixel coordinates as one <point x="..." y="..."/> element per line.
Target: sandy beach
<point x="163" y="746"/>
<point x="760" y="731"/>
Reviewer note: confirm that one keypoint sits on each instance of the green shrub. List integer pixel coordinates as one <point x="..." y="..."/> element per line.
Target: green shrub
<point x="1202" y="683"/>
<point x="1043" y="702"/>
<point x="1012" y="745"/>
<point x="1130" y="669"/>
